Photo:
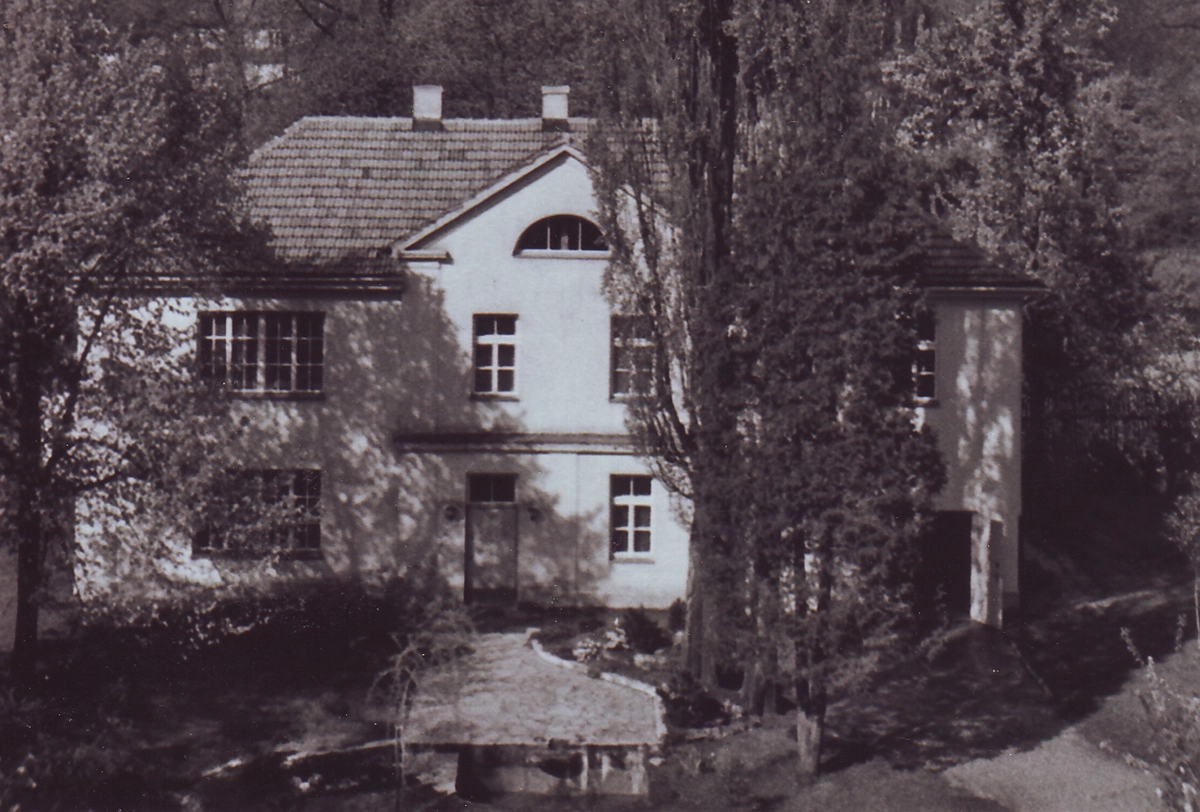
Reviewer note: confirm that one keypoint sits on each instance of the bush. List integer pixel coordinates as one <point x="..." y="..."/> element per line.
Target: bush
<point x="1175" y="737"/>
<point x="642" y="634"/>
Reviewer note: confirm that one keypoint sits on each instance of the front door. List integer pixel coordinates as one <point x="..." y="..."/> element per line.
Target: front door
<point x="491" y="544"/>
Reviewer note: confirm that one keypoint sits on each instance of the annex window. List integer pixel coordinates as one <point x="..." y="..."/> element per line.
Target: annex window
<point x="495" y="354"/>
<point x="631" y="356"/>
<point x="925" y="363"/>
<point x="264" y="513"/>
<point x="485" y="488"/>
<point x="562" y="232"/>
<point x="630" y="515"/>
<point x="271" y="352"/>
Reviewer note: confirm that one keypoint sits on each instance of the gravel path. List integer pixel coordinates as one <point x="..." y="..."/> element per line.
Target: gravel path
<point x="1065" y="774"/>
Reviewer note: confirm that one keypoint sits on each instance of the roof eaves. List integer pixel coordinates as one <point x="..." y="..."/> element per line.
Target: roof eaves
<point x="510" y="180"/>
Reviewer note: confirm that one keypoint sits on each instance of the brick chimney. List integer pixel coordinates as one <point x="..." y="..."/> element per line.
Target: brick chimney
<point x="554" y="108"/>
<point x="427" y="108"/>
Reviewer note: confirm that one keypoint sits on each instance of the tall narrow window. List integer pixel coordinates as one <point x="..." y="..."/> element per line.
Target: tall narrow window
<point x="632" y="356"/>
<point x="630" y="515"/>
<point x="495" y="354"/>
<point x="275" y="352"/>
<point x="925" y="364"/>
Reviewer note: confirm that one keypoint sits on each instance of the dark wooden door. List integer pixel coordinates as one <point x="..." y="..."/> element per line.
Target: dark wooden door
<point x="491" y="566"/>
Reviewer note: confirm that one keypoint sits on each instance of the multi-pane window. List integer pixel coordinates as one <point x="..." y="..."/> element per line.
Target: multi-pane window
<point x="492" y="487"/>
<point x="276" y="352"/>
<point x="630" y="514"/>
<point x="268" y="512"/>
<point x="925" y="364"/>
<point x="495" y="354"/>
<point x="562" y="232"/>
<point x="632" y="356"/>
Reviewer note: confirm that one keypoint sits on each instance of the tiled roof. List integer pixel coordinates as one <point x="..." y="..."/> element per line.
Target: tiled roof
<point x="946" y="262"/>
<point x="334" y="187"/>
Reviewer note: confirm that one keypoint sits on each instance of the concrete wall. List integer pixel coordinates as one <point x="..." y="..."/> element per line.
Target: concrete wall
<point x="977" y="416"/>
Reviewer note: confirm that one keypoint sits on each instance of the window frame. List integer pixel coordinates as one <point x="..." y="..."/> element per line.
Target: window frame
<point x="586" y="232"/>
<point x="296" y="534"/>
<point x="631" y="513"/>
<point x="225" y="338"/>
<point x="496" y="342"/>
<point x="630" y="343"/>
<point x="924" y="365"/>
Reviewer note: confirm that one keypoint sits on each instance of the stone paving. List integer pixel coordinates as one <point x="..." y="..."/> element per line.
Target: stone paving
<point x="509" y="692"/>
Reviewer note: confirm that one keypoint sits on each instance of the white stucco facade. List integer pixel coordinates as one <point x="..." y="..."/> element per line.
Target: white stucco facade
<point x="976" y="413"/>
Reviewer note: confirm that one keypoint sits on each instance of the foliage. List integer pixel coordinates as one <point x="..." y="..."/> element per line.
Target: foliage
<point x="1175" y="745"/>
<point x="116" y="165"/>
<point x="80" y="741"/>
<point x="642" y="633"/>
<point x="1184" y="527"/>
<point x="1060" y="166"/>
<point x="361" y="57"/>
<point x="783" y="312"/>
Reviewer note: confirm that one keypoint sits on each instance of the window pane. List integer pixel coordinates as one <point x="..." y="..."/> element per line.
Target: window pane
<point x="504" y="381"/>
<point x="483" y="380"/>
<point x="621" y="381"/>
<point x="485" y="325"/>
<point x="483" y="355"/>
<point x="479" y="488"/>
<point x="506" y="355"/>
<point x="641" y="516"/>
<point x="620" y="516"/>
<point x="506" y="325"/>
<point x="620" y="541"/>
<point x="504" y="488"/>
<point x="641" y="485"/>
<point x="641" y="541"/>
<point x="621" y="485"/>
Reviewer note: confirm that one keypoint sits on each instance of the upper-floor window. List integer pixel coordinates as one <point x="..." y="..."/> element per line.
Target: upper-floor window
<point x="562" y="232"/>
<point x="269" y="352"/>
<point x="925" y="364"/>
<point x="263" y="513"/>
<point x="495" y="354"/>
<point x="631" y="356"/>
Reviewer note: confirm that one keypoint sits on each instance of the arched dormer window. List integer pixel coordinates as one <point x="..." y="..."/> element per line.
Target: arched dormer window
<point x="562" y="232"/>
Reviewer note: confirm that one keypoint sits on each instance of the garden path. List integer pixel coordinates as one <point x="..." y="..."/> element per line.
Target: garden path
<point x="509" y="692"/>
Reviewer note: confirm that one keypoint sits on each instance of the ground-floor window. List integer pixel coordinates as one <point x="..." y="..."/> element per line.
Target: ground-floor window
<point x="630" y="514"/>
<point x="264" y="512"/>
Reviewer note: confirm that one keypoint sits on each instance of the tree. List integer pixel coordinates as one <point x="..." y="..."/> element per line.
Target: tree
<point x="115" y="167"/>
<point x="783" y="307"/>
<point x="1060" y="166"/>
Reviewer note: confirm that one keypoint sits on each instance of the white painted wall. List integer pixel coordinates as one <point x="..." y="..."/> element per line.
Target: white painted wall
<point x="406" y="367"/>
<point x="977" y="416"/>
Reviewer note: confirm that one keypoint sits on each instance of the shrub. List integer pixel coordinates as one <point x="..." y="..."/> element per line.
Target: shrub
<point x="1175" y="737"/>
<point x="642" y="634"/>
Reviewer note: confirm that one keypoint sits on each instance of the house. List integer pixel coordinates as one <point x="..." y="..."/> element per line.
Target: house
<point x="437" y="380"/>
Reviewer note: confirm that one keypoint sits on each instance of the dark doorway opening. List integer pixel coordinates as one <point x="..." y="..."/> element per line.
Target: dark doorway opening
<point x="943" y="577"/>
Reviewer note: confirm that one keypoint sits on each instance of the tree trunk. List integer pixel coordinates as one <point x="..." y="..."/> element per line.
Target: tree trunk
<point x="810" y="733"/>
<point x="29" y="502"/>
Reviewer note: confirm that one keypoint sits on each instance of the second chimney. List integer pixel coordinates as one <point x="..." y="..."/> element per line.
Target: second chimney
<point x="427" y="108"/>
<point x="554" y="108"/>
